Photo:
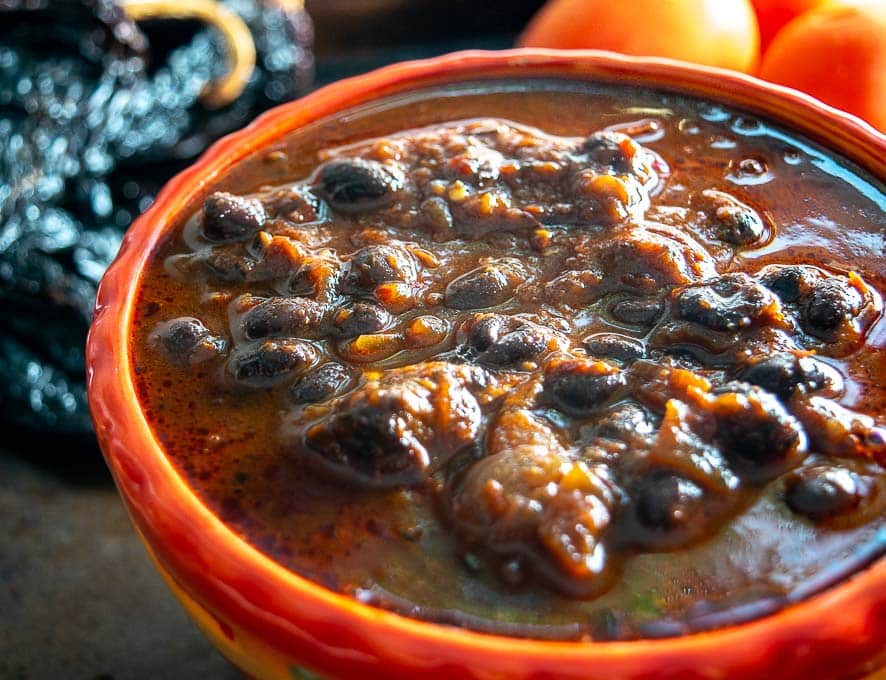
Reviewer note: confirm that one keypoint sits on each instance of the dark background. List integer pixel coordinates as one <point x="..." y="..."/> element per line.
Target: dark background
<point x="78" y="595"/>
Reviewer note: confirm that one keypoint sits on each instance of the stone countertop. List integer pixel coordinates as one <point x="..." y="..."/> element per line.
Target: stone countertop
<point x="79" y="597"/>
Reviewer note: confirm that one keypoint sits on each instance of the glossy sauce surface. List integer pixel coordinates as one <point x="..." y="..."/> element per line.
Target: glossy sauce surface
<point x="568" y="363"/>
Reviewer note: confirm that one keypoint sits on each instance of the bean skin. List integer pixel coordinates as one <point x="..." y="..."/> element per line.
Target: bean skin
<point x="487" y="286"/>
<point x="581" y="386"/>
<point x="320" y="384"/>
<point x="357" y="185"/>
<point x="227" y="217"/>
<point x="271" y="362"/>
<point x="785" y="374"/>
<point x="187" y="341"/>
<point x="360" y="319"/>
<point x="285" y="317"/>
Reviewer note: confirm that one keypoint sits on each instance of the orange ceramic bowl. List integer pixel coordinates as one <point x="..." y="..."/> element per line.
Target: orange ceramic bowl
<point x="275" y="624"/>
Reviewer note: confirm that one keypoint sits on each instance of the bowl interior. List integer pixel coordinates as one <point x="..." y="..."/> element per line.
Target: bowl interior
<point x="218" y="568"/>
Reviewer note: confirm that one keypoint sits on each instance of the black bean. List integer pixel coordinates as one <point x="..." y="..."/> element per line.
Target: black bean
<point x="320" y="384"/>
<point x="739" y="225"/>
<point x="228" y="264"/>
<point x="665" y="502"/>
<point x="187" y="341"/>
<point x="228" y="217"/>
<point x="824" y="492"/>
<point x="485" y="330"/>
<point x="615" y="346"/>
<point x="285" y="317"/>
<point x="756" y="433"/>
<point x="357" y="185"/>
<point x="377" y="264"/>
<point x="732" y="221"/>
<point x="486" y="286"/>
<point x="271" y="361"/>
<point x="785" y="373"/>
<point x="831" y="303"/>
<point x="581" y="386"/>
<point x="625" y="421"/>
<point x="637" y="311"/>
<point x="515" y="347"/>
<point x="727" y="303"/>
<point x="388" y="432"/>
<point x="361" y="319"/>
<point x="788" y="282"/>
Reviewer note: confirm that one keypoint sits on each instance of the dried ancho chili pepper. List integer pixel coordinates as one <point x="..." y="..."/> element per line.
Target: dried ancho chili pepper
<point x="96" y="113"/>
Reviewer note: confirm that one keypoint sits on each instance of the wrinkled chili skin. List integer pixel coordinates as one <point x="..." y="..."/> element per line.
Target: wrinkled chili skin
<point x="93" y="125"/>
<point x="525" y="347"/>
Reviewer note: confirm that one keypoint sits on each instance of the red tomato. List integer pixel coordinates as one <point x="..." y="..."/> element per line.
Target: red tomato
<point x="713" y="32"/>
<point x="838" y="54"/>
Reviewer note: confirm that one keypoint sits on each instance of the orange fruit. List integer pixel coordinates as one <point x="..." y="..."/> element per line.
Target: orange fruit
<point x="720" y="33"/>
<point x="773" y="14"/>
<point x="837" y="53"/>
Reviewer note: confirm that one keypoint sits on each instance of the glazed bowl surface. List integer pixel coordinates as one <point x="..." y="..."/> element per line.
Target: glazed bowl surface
<point x="274" y="624"/>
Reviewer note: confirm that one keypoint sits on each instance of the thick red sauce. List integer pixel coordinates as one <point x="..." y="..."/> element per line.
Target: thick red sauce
<point x="546" y="361"/>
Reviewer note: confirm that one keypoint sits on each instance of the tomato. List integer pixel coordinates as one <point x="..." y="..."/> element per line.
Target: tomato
<point x="838" y="54"/>
<point x="773" y="14"/>
<point x="713" y="32"/>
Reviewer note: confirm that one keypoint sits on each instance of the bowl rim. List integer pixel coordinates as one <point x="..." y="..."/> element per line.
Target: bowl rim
<point x="241" y="584"/>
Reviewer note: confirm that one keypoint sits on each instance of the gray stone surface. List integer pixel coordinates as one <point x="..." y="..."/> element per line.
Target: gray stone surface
<point x="79" y="597"/>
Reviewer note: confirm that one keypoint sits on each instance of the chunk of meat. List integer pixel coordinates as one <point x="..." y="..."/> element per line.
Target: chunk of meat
<point x="833" y="308"/>
<point x="731" y="221"/>
<point x="532" y="502"/>
<point x="636" y="259"/>
<point x="396" y="430"/>
<point x="508" y="341"/>
<point x="787" y="373"/>
<point x="729" y="303"/>
<point x="835" y="495"/>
